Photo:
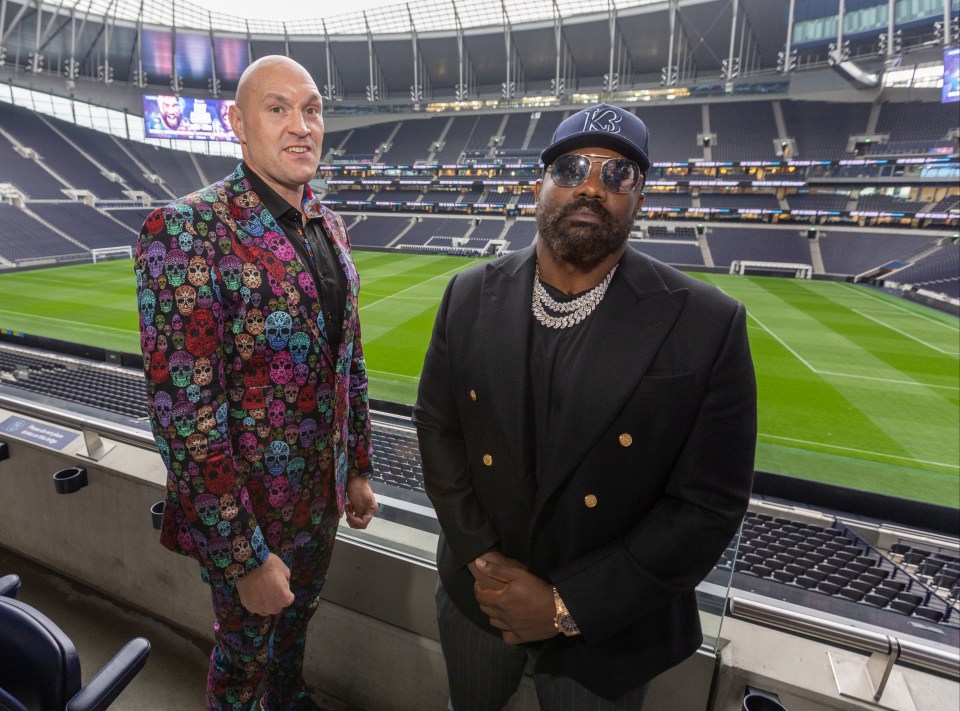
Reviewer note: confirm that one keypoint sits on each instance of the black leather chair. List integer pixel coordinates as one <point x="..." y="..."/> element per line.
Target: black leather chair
<point x="40" y="668"/>
<point x="9" y="585"/>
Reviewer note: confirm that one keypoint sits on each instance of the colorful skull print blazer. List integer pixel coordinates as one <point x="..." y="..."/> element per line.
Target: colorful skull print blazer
<point x="258" y="423"/>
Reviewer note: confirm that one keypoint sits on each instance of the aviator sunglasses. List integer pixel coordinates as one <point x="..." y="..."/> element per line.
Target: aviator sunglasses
<point x="618" y="175"/>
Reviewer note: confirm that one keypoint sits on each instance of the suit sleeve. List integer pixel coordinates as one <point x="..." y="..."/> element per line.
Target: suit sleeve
<point x="672" y="548"/>
<point x="183" y="358"/>
<point x="359" y="445"/>
<point x="443" y="455"/>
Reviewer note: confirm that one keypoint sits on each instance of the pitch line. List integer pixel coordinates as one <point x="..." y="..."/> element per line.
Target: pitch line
<point x="61" y="320"/>
<point x="860" y="451"/>
<point x="452" y="271"/>
<point x="905" y="334"/>
<point x="900" y="307"/>
<point x="817" y="371"/>
<point x="414" y="378"/>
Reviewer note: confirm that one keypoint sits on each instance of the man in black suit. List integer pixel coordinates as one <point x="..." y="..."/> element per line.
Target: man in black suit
<point x="587" y="423"/>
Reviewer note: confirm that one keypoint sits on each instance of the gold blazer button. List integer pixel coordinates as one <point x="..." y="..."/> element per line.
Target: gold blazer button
<point x="590" y="500"/>
<point x="488" y="460"/>
<point x="473" y="395"/>
<point x="625" y="439"/>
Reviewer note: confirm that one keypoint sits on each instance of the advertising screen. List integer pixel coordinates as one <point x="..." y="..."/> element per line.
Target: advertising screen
<point x="169" y="116"/>
<point x="951" y="75"/>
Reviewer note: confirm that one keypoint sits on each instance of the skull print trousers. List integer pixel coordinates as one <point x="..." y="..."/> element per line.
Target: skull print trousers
<point x="260" y="659"/>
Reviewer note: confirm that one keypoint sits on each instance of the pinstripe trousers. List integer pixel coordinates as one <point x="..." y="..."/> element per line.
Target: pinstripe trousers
<point x="483" y="672"/>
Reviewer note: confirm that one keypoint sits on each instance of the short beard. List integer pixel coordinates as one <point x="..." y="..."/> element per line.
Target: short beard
<point x="583" y="245"/>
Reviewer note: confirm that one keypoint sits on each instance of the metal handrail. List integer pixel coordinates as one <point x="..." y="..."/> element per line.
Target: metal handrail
<point x="911" y="652"/>
<point x="56" y="415"/>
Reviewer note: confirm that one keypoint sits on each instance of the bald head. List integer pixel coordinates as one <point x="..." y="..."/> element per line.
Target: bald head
<point x="264" y="71"/>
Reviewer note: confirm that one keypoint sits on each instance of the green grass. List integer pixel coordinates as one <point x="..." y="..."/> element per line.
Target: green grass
<point x="857" y="388"/>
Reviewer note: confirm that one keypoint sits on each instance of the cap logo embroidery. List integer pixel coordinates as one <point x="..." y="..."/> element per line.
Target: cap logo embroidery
<point x="606" y="120"/>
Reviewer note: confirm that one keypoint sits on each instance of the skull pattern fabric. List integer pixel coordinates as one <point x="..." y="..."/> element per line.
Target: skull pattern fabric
<point x="259" y="424"/>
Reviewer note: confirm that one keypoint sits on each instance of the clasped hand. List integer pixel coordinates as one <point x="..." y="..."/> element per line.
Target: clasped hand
<point x="516" y="601"/>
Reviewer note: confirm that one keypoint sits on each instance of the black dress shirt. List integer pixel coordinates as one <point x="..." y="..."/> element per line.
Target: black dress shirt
<point x="316" y="252"/>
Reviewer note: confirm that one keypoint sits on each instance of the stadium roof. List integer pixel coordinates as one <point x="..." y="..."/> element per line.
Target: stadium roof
<point x="424" y="15"/>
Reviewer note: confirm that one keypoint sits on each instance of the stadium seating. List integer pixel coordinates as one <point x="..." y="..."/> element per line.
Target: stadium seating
<point x="27" y="175"/>
<point x="25" y="238"/>
<point x="817" y="139"/>
<point x="847" y="252"/>
<point x="938" y="271"/>
<point x="761" y="244"/>
<point x="86" y="224"/>
<point x="744" y="131"/>
<point x="57" y="152"/>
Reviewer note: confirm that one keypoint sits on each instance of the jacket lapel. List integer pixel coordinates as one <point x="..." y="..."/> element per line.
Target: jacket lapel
<point x="505" y="332"/>
<point x="629" y="327"/>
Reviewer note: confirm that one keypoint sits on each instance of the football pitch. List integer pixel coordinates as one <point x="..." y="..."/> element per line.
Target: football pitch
<point x="857" y="388"/>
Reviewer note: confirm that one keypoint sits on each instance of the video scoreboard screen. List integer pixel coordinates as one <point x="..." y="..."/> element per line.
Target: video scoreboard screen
<point x="169" y="116"/>
<point x="951" y="75"/>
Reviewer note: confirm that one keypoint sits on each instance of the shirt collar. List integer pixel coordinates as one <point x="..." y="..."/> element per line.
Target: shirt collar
<point x="277" y="206"/>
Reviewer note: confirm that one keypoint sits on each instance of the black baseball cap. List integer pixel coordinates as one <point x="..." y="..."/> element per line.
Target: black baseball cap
<point x="603" y="126"/>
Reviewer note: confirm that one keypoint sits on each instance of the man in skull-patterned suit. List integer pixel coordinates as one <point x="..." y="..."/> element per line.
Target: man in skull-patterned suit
<point x="257" y="387"/>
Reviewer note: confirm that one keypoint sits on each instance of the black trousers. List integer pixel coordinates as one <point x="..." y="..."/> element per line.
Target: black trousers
<point x="483" y="672"/>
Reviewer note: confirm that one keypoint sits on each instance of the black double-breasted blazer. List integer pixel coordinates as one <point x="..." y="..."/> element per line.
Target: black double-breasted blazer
<point x="654" y="459"/>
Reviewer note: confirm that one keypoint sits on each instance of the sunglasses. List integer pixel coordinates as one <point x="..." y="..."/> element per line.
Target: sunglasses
<point x="618" y="175"/>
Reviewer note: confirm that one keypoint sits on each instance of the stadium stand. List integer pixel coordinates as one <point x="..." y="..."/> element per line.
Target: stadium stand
<point x="760" y="244"/>
<point x="86" y="224"/>
<point x="677" y="254"/>
<point x="413" y="140"/>
<point x="521" y="234"/>
<point x="938" y="271"/>
<point x="426" y="228"/>
<point x="377" y="230"/>
<point x="59" y="154"/>
<point x="363" y="145"/>
<point x="737" y="201"/>
<point x="28" y="176"/>
<point x="25" y="238"/>
<point x="744" y="131"/>
<point x="848" y="252"/>
<point x="673" y="132"/>
<point x="817" y="201"/>
<point x="482" y="132"/>
<point x="817" y="139"/>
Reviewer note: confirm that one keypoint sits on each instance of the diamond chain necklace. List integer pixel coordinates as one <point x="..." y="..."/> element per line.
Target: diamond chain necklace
<point x="574" y="311"/>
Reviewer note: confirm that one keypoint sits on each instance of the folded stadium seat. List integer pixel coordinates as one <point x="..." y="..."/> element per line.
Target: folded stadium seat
<point x="928" y="613"/>
<point x="896" y="586"/>
<point x="902" y="606"/>
<point x="914" y="557"/>
<point x="40" y="668"/>
<point x="838" y="579"/>
<point x="860" y="585"/>
<point x="851" y="594"/>
<point x="828" y="587"/>
<point x="828" y="568"/>
<point x="874" y="577"/>
<point x="876" y="600"/>
<point x="911" y="598"/>
<point x="806" y="581"/>
<point x="783" y="576"/>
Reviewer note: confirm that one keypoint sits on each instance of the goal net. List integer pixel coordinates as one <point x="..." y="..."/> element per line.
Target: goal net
<point x="111" y="253"/>
<point x="744" y="267"/>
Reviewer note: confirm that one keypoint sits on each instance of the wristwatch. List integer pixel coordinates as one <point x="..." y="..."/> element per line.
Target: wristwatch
<point x="563" y="620"/>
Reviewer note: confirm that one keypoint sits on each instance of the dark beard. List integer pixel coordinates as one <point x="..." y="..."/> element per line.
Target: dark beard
<point x="582" y="244"/>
